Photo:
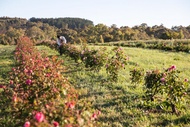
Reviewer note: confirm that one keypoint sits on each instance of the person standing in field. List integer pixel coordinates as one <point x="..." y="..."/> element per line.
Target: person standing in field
<point x="60" y="41"/>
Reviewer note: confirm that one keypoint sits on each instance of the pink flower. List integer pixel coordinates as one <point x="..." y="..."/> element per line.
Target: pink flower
<point x="11" y="82"/>
<point x="94" y="116"/>
<point x="56" y="124"/>
<point x="39" y="116"/>
<point x="27" y="124"/>
<point x="55" y="90"/>
<point x="173" y="67"/>
<point x="47" y="106"/>
<point x="162" y="79"/>
<point x="28" y="81"/>
<point x="46" y="58"/>
<point x="48" y="75"/>
<point x="13" y="69"/>
<point x="71" y="105"/>
<point x="186" y="80"/>
<point x="14" y="98"/>
<point x="2" y="86"/>
<point x="25" y="70"/>
<point x="99" y="112"/>
<point x="30" y="71"/>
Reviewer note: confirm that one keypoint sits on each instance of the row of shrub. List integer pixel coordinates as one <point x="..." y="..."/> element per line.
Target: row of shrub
<point x="167" y="45"/>
<point x="163" y="88"/>
<point x="95" y="59"/>
<point x="38" y="95"/>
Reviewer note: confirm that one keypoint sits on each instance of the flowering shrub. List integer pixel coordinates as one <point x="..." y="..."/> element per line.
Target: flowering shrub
<point x="153" y="84"/>
<point x="115" y="63"/>
<point x="94" y="59"/>
<point x="137" y="75"/>
<point x="38" y="95"/>
<point x="71" y="51"/>
<point x="169" y="84"/>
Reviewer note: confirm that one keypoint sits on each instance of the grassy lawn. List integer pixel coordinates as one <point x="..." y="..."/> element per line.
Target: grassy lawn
<point x="120" y="103"/>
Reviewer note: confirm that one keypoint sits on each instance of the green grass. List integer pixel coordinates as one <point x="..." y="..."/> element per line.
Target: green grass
<point x="120" y="103"/>
<point x="6" y="62"/>
<point x="156" y="59"/>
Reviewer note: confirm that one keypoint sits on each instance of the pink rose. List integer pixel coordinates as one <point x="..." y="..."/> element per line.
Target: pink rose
<point x="162" y="79"/>
<point x="2" y="86"/>
<point x="46" y="58"/>
<point x="11" y="82"/>
<point x="173" y="67"/>
<point x="28" y="81"/>
<point x="71" y="105"/>
<point x="186" y="80"/>
<point x="27" y="124"/>
<point x="56" y="124"/>
<point x="14" y="98"/>
<point x="30" y="71"/>
<point x="13" y="69"/>
<point x="25" y="70"/>
<point x="94" y="116"/>
<point x="39" y="116"/>
<point x="99" y="112"/>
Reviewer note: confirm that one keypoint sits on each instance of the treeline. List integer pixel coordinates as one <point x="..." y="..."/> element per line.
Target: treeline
<point x="67" y="23"/>
<point x="78" y="30"/>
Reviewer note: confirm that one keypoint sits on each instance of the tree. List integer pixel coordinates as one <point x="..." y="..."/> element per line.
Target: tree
<point x="35" y="33"/>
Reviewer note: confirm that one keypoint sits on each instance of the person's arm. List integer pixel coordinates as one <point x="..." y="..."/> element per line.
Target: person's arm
<point x="63" y="39"/>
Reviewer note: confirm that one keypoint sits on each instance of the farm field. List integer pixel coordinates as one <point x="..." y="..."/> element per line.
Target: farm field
<point x="121" y="102"/>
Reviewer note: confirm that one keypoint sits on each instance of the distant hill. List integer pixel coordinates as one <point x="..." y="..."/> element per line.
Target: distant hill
<point x="71" y="23"/>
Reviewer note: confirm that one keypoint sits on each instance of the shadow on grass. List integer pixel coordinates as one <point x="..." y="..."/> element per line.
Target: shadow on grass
<point x="115" y="119"/>
<point x="185" y="119"/>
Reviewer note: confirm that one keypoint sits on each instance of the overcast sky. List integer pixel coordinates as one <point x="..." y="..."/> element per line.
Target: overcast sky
<point x="120" y="12"/>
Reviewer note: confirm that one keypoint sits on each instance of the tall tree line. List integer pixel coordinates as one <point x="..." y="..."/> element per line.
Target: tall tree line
<point x="78" y="30"/>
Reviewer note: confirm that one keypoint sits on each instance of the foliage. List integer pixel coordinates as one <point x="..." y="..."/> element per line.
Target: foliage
<point x="115" y="63"/>
<point x="166" y="45"/>
<point x="120" y="103"/>
<point x="94" y="59"/>
<point x="38" y="95"/>
<point x="137" y="75"/>
<point x="77" y="29"/>
<point x="166" y="83"/>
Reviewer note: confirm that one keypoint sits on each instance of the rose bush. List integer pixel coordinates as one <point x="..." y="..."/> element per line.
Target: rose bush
<point x="116" y="62"/>
<point x="38" y="95"/>
<point x="169" y="85"/>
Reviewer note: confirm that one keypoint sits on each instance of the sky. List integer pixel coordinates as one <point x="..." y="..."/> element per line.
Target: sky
<point x="108" y="12"/>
